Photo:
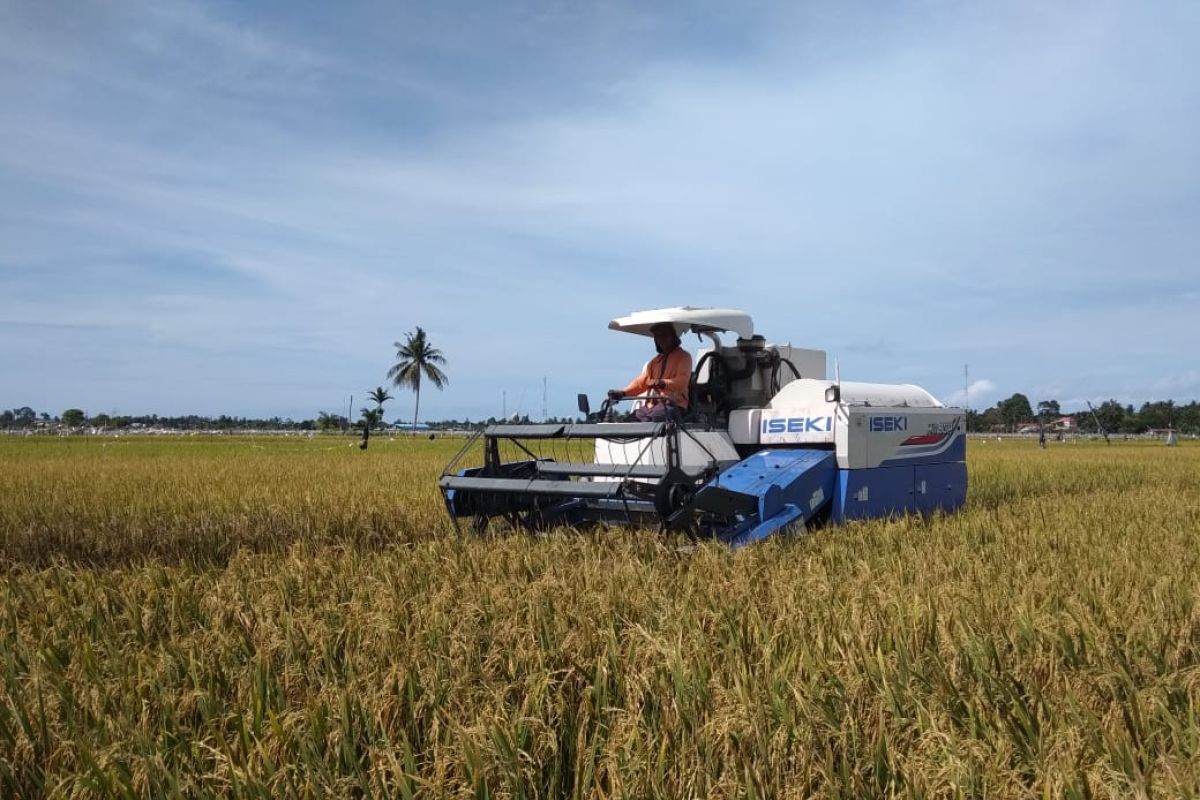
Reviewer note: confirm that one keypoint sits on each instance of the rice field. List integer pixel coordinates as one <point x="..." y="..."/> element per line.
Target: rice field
<point x="278" y="617"/>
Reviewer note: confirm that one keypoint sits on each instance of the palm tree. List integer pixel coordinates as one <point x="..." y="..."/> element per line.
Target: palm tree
<point x="380" y="396"/>
<point x="371" y="417"/>
<point x="328" y="422"/>
<point x="414" y="358"/>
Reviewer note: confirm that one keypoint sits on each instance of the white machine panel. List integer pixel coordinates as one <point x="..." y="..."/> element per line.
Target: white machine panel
<point x="744" y="424"/>
<point x="810" y="363"/>
<point x="871" y="435"/>
<point x="694" y="449"/>
<point x="851" y="438"/>
<point x="872" y="424"/>
<point x="797" y="425"/>
<point x="855" y="393"/>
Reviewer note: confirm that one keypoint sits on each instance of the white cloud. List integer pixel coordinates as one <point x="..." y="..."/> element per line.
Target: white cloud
<point x="980" y="394"/>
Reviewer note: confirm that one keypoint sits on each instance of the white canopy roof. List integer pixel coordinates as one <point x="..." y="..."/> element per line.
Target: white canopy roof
<point x="685" y="319"/>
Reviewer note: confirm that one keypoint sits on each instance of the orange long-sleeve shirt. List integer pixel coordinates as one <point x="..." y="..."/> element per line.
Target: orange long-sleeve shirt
<point x="673" y="368"/>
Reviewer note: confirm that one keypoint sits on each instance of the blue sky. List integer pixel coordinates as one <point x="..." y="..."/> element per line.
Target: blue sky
<point x="237" y="208"/>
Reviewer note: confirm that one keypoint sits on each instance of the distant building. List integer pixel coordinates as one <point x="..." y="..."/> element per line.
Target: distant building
<point x="1060" y="425"/>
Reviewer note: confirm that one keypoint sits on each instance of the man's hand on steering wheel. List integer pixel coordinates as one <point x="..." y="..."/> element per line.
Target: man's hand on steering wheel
<point x="615" y="394"/>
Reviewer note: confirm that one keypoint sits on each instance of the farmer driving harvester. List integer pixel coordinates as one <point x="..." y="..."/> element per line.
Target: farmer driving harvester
<point x="664" y="379"/>
<point x="770" y="445"/>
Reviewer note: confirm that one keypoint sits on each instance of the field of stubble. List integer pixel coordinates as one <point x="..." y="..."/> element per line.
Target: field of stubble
<point x="266" y="617"/>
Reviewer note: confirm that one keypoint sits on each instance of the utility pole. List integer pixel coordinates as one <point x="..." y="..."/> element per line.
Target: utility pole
<point x="545" y="411"/>
<point x="504" y="405"/>
<point x="1096" y="419"/>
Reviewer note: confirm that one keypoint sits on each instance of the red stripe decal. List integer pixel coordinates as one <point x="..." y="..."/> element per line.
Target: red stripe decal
<point x="927" y="438"/>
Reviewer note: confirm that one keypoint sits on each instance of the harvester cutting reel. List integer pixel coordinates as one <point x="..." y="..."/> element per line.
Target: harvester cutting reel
<point x="542" y="476"/>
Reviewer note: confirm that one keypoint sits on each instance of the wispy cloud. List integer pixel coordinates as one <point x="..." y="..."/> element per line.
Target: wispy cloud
<point x="1185" y="384"/>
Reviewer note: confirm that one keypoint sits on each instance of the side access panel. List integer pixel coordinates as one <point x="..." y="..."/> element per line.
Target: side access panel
<point x="873" y="493"/>
<point x="770" y="479"/>
<point x="941" y="486"/>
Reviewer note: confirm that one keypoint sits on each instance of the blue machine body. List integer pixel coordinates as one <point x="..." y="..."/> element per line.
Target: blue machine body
<point x="775" y="488"/>
<point x="895" y="490"/>
<point x="770" y="490"/>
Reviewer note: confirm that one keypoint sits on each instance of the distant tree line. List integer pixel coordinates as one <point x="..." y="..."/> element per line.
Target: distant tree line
<point x="27" y="418"/>
<point x="1015" y="412"/>
<point x="1007" y="415"/>
<point x="469" y="425"/>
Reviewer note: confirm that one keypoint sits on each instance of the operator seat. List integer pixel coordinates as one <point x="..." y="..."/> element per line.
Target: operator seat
<point x="708" y="401"/>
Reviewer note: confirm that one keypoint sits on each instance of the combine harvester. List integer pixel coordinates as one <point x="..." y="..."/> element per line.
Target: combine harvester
<point x="767" y="444"/>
